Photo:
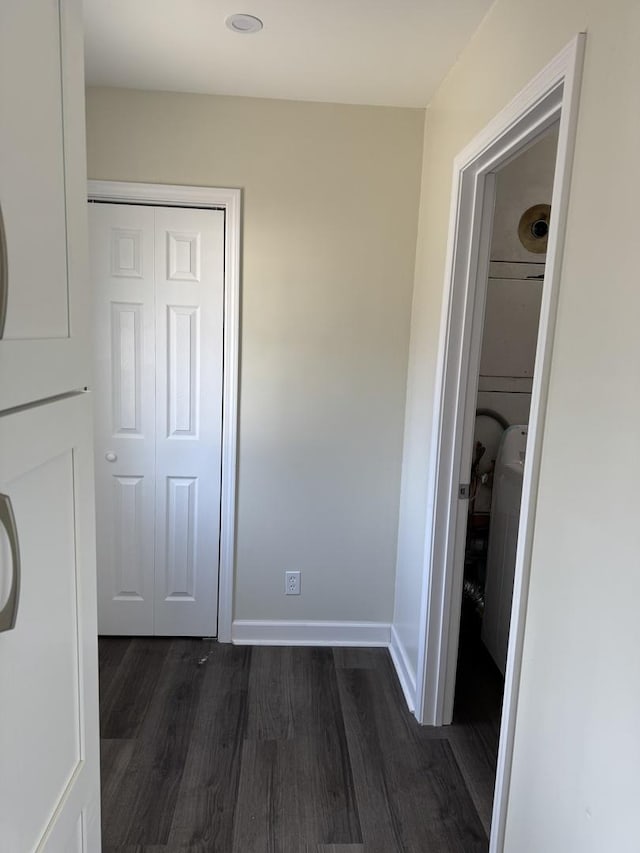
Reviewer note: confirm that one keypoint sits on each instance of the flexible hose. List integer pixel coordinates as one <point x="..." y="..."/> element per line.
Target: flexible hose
<point x="491" y="413"/>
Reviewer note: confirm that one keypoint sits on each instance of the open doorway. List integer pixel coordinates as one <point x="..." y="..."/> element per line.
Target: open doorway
<point x="551" y="98"/>
<point x="504" y="381"/>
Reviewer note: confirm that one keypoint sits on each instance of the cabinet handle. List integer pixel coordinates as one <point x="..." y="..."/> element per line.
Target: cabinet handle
<point x="4" y="276"/>
<point x="7" y="520"/>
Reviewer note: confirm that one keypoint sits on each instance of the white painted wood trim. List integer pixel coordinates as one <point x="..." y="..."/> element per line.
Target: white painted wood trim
<point x="163" y="194"/>
<point x="551" y="95"/>
<point x="310" y="633"/>
<point x="230" y="201"/>
<point x="574" y="60"/>
<point x="231" y="375"/>
<point x="406" y="676"/>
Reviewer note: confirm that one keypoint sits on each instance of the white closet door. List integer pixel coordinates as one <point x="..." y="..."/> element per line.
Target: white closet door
<point x="42" y="192"/>
<point x="49" y="762"/>
<point x="158" y="275"/>
<point x="189" y="316"/>
<point x="122" y="272"/>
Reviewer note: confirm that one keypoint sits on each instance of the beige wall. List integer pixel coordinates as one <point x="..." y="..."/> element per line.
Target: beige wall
<point x="330" y="199"/>
<point x="577" y="749"/>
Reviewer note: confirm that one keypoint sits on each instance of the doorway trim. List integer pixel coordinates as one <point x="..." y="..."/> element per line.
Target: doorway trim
<point x="228" y="200"/>
<point x="550" y="97"/>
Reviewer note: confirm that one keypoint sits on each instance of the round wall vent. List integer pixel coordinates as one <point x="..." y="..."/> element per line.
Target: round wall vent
<point x="533" y="228"/>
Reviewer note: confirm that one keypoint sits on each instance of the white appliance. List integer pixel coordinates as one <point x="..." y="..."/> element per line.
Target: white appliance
<point x="503" y="541"/>
<point x="49" y="770"/>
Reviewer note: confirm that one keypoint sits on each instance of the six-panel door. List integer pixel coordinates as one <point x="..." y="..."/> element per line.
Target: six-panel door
<point x="158" y="279"/>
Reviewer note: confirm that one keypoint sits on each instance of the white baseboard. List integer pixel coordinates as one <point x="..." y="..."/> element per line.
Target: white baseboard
<point x="285" y="633"/>
<point x="406" y="676"/>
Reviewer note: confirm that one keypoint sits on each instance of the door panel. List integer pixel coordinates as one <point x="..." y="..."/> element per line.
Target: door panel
<point x="42" y="180"/>
<point x="189" y="248"/>
<point x="32" y="179"/>
<point x="122" y="272"/>
<point x="158" y="275"/>
<point x="126" y="367"/>
<point x="48" y="662"/>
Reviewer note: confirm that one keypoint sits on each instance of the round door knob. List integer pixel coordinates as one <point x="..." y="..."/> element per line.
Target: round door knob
<point x="110" y="456"/>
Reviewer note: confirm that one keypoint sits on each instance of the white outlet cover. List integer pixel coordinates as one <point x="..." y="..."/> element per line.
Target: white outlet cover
<point x="292" y="583"/>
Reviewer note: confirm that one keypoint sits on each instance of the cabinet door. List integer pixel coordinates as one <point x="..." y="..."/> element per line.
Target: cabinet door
<point x="49" y="776"/>
<point x="43" y="287"/>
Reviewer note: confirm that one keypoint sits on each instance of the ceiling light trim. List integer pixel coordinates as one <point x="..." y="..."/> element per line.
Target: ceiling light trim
<point x="244" y="24"/>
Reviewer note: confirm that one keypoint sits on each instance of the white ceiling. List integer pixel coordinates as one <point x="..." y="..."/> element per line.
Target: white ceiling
<point x="388" y="52"/>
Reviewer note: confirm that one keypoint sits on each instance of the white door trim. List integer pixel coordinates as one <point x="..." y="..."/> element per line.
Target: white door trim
<point x="228" y="200"/>
<point x="551" y="96"/>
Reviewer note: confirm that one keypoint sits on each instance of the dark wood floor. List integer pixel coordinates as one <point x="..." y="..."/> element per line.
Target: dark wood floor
<point x="211" y="748"/>
<point x="477" y="710"/>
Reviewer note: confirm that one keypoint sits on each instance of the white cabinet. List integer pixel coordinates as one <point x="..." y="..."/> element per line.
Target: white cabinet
<point x="510" y="334"/>
<point x="49" y="777"/>
<point x="49" y="746"/>
<point x="43" y="289"/>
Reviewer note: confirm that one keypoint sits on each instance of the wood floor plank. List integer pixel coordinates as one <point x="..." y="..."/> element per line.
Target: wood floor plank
<point x="151" y="848"/>
<point x="129" y="848"/>
<point x="355" y="658"/>
<point x="111" y="651"/>
<point x="395" y="781"/>
<point x="476" y="767"/>
<point x="270" y="713"/>
<point x="146" y="848"/>
<point x="142" y="811"/>
<point x="255" y="824"/>
<point x="475" y="731"/>
<point x="275" y="811"/>
<point x="319" y="725"/>
<point x="115" y="757"/>
<point x="427" y="779"/>
<point x="204" y="813"/>
<point x="381" y="832"/>
<point x="340" y="848"/>
<point x="127" y="697"/>
<point x="450" y="819"/>
<point x="157" y="848"/>
<point x="308" y="763"/>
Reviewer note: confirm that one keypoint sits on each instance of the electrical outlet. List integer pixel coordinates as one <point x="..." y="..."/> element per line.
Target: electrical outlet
<point x="292" y="583"/>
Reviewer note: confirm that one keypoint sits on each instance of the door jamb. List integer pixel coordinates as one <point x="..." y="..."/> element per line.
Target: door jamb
<point x="230" y="201"/>
<point x="551" y="95"/>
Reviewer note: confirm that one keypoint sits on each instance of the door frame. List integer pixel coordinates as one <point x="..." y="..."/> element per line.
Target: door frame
<point x="550" y="97"/>
<point x="230" y="201"/>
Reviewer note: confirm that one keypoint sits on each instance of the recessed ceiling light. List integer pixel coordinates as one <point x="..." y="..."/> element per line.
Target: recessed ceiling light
<point x="244" y="23"/>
